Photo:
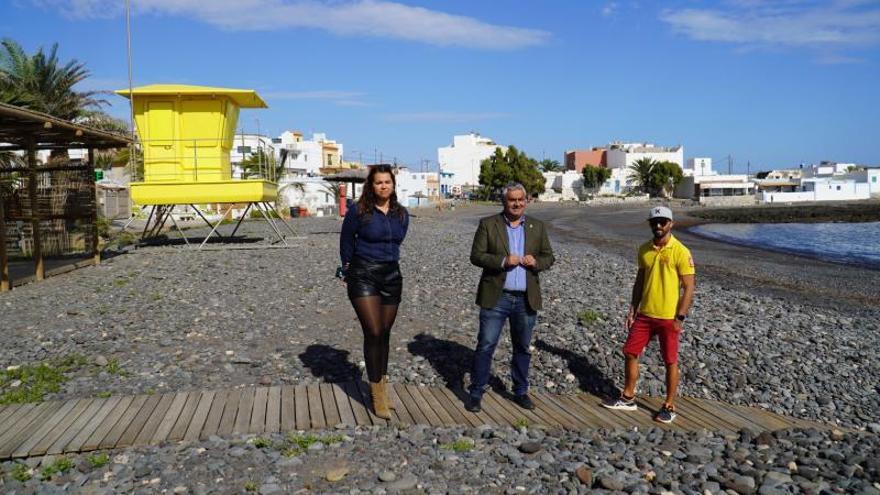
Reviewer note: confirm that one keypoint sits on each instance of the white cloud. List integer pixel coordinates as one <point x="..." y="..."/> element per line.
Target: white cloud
<point x="823" y="26"/>
<point x="375" y="18"/>
<point x="445" y="117"/>
<point x="609" y="9"/>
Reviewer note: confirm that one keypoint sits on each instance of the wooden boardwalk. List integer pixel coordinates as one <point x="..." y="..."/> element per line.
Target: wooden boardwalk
<point x="80" y="425"/>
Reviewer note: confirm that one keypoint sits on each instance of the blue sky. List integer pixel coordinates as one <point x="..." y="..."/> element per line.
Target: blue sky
<point x="773" y="83"/>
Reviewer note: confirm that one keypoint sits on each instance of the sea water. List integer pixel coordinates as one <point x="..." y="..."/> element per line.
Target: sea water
<point x="850" y="243"/>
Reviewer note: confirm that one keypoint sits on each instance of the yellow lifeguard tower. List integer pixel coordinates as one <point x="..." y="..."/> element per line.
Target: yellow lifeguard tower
<point x="186" y="133"/>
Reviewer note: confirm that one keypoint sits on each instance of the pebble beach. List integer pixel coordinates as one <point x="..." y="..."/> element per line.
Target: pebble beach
<point x="161" y="319"/>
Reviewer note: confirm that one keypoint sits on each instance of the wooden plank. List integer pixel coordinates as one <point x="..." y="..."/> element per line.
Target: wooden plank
<point x="77" y="443"/>
<point x="273" y="410"/>
<point x="245" y="411"/>
<point x="185" y="416"/>
<point x="592" y="412"/>
<point x="316" y="410"/>
<point x="411" y="407"/>
<point x="44" y="428"/>
<point x="423" y="405"/>
<point x="215" y="414"/>
<point x="61" y="428"/>
<point x="399" y="413"/>
<point x="518" y="413"/>
<point x="196" y="426"/>
<point x="258" y="417"/>
<point x="432" y="403"/>
<point x="27" y="425"/>
<point x="230" y="409"/>
<point x="365" y="394"/>
<point x="151" y="425"/>
<point x="692" y="414"/>
<point x="18" y="421"/>
<point x="288" y="408"/>
<point x="492" y="406"/>
<point x="303" y="422"/>
<point x="7" y="412"/>
<point x="547" y="410"/>
<point x="453" y="408"/>
<point x="476" y="419"/>
<point x="171" y="417"/>
<point x="611" y="418"/>
<point x="328" y="402"/>
<point x="558" y="413"/>
<point x="132" y="425"/>
<point x="343" y="405"/>
<point x="683" y="422"/>
<point x="720" y="415"/>
<point x="761" y="422"/>
<point x="361" y="416"/>
<point x="60" y="444"/>
<point x="104" y="429"/>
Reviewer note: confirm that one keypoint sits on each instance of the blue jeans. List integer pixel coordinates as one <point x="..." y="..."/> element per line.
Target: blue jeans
<point x="514" y="308"/>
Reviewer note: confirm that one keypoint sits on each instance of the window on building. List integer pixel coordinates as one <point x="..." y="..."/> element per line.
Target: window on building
<point x="838" y="188"/>
<point x="874" y="179"/>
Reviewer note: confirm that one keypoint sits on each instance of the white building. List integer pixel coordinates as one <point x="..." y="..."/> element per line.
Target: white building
<point x="563" y="186"/>
<point x="463" y="158"/>
<point x="698" y="166"/>
<point x="307" y="157"/>
<point x="622" y="155"/>
<point x="313" y="194"/>
<point x="416" y="188"/>
<point x="245" y="146"/>
<point x="717" y="189"/>
<point x="870" y="176"/>
<point x="822" y="189"/>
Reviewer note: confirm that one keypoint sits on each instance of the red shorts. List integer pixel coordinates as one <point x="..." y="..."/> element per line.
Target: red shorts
<point x="644" y="328"/>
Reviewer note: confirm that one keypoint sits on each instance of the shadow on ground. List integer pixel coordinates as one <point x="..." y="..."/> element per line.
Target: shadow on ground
<point x="450" y="360"/>
<point x="591" y="379"/>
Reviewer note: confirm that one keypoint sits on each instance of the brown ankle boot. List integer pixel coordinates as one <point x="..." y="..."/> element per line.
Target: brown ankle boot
<point x="390" y="403"/>
<point x="380" y="399"/>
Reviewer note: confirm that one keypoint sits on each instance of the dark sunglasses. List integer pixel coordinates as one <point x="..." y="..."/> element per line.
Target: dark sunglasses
<point x="659" y="221"/>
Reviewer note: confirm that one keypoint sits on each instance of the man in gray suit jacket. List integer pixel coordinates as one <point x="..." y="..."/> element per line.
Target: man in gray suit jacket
<point x="511" y="249"/>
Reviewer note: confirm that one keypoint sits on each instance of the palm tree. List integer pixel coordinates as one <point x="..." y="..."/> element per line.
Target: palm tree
<point x="640" y="173"/>
<point x="41" y="83"/>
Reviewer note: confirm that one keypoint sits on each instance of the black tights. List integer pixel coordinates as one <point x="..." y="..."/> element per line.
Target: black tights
<point x="376" y="322"/>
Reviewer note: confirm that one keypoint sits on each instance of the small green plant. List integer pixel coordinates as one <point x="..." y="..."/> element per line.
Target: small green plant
<point x="460" y="445"/>
<point x="103" y="395"/>
<point x="150" y="391"/>
<point x="98" y="460"/>
<point x="120" y="282"/>
<point x="262" y="443"/>
<point x="30" y="383"/>
<point x="21" y="473"/>
<point x="298" y="443"/>
<point x="588" y="317"/>
<point x="250" y="486"/>
<point x="113" y="367"/>
<point x="156" y="296"/>
<point x="60" y="466"/>
<point x="521" y="423"/>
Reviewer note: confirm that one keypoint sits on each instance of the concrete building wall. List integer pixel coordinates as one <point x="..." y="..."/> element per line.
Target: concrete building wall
<point x="624" y="155"/>
<point x="577" y="159"/>
<point x="463" y="158"/>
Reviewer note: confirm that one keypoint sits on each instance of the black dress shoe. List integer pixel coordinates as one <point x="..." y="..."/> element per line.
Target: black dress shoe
<point x="473" y="404"/>
<point x="524" y="401"/>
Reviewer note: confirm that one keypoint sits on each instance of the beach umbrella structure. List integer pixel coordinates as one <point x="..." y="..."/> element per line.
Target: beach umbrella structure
<point x="186" y="135"/>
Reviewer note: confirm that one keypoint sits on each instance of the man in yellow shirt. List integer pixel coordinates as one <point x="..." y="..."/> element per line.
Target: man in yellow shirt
<point x="661" y="298"/>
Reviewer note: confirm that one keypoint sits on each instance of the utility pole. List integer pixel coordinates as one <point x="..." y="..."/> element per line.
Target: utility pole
<point x="729" y="164"/>
<point x="748" y="168"/>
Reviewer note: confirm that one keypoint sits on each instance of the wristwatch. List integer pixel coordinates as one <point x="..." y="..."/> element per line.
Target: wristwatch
<point x="680" y="317"/>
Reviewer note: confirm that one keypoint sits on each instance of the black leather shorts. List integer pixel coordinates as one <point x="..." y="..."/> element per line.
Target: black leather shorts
<point x="369" y="278"/>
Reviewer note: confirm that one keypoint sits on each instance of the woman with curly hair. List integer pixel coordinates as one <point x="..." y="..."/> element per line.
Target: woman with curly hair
<point x="369" y="247"/>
